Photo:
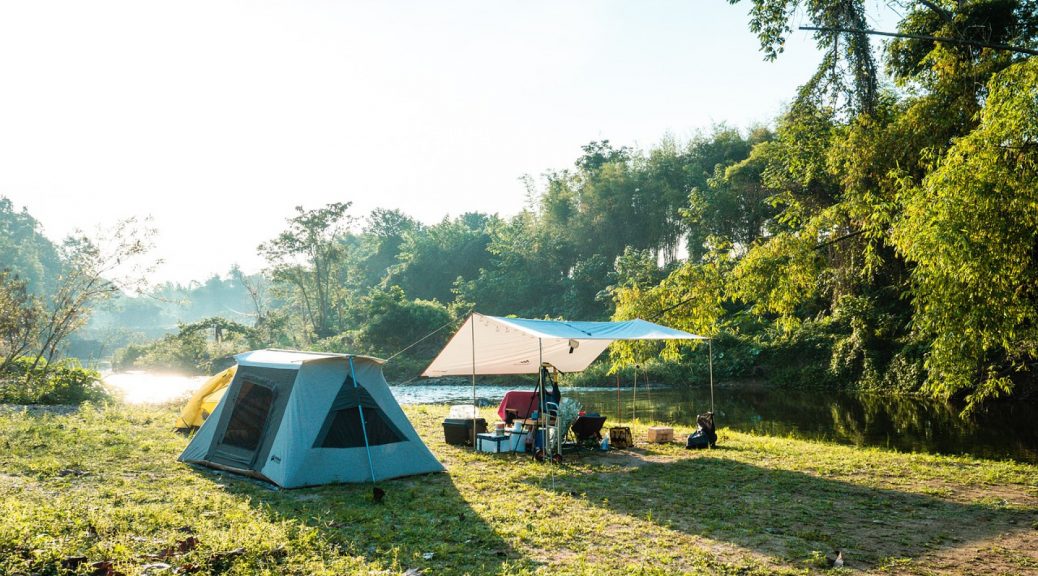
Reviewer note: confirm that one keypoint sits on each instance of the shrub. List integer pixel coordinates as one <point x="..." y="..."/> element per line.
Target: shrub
<point x="63" y="382"/>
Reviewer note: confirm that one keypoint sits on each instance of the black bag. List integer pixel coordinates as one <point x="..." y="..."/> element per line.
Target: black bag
<point x="705" y="435"/>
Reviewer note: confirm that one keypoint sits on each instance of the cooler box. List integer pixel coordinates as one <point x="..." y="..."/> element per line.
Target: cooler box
<point x="492" y="443"/>
<point x="459" y="430"/>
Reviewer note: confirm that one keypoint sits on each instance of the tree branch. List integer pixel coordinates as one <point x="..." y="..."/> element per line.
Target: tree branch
<point x="978" y="43"/>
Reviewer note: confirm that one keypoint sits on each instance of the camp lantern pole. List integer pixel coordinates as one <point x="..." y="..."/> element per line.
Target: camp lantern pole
<point x="363" y="426"/>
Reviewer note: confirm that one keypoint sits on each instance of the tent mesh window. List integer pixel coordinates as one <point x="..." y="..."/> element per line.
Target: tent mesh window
<point x="342" y="427"/>
<point x="245" y="428"/>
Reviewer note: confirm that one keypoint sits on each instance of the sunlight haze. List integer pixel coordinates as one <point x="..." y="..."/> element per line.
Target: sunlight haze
<point x="216" y="118"/>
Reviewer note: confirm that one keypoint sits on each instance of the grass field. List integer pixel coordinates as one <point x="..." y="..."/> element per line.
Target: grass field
<point x="99" y="491"/>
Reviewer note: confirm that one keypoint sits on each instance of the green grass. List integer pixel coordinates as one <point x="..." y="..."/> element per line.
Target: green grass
<point x="103" y="485"/>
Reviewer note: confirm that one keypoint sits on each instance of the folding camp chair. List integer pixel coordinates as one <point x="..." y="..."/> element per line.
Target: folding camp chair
<point x="588" y="430"/>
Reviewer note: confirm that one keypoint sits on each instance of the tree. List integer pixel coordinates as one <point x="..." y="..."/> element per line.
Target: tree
<point x="433" y="258"/>
<point x="847" y="69"/>
<point x="307" y="257"/>
<point x="971" y="230"/>
<point x="93" y="270"/>
<point x="385" y="235"/>
<point x="25" y="251"/>
<point x="20" y="315"/>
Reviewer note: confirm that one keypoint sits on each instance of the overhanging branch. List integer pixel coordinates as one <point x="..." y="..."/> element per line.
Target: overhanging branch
<point x="962" y="42"/>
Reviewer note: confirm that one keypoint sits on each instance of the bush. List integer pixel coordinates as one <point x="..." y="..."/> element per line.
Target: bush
<point x="64" y="382"/>
<point x="194" y="349"/>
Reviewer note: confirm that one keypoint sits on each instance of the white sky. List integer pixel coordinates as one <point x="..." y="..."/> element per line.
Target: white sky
<point x="216" y="117"/>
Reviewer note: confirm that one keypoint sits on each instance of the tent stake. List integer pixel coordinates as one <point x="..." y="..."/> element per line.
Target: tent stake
<point x="376" y="493"/>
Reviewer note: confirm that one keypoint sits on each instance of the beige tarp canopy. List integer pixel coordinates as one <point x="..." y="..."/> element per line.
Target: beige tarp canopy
<point x="492" y="345"/>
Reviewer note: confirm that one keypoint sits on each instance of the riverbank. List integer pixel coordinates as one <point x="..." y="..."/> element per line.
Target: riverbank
<point x="102" y="486"/>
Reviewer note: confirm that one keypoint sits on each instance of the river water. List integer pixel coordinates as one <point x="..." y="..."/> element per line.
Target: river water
<point x="897" y="422"/>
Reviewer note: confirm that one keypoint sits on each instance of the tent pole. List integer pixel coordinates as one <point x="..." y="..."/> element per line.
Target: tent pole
<point x="648" y="390"/>
<point x="363" y="425"/>
<point x="542" y="416"/>
<point x="634" y="400"/>
<point x="619" y="403"/>
<point x="710" y="351"/>
<point x="472" y="320"/>
<point x="558" y="420"/>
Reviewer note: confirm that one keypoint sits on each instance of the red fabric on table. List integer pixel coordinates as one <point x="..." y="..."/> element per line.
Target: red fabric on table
<point x="523" y="402"/>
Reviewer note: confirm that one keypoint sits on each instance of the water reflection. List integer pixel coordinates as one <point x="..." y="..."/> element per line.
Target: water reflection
<point x="902" y="423"/>
<point x="143" y="388"/>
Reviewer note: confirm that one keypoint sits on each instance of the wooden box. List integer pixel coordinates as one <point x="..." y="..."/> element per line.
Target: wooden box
<point x="620" y="437"/>
<point x="661" y="434"/>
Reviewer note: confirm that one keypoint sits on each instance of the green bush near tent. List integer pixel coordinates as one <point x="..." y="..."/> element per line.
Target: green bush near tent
<point x="63" y="382"/>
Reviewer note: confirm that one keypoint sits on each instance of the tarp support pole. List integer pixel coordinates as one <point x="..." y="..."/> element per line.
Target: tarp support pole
<point x="710" y="361"/>
<point x="363" y="426"/>
<point x="472" y="320"/>
<point x="634" y="400"/>
<point x="648" y="390"/>
<point x="543" y="416"/>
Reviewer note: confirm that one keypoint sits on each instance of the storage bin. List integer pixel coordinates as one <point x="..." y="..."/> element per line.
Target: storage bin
<point x="492" y="443"/>
<point x="459" y="430"/>
<point x="517" y="441"/>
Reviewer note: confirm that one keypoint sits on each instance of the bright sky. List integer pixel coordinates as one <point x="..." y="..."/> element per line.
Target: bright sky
<point x="217" y="117"/>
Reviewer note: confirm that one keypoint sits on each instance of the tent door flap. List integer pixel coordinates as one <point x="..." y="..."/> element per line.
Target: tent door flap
<point x="247" y="427"/>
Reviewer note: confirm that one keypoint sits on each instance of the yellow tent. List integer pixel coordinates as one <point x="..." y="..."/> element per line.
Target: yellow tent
<point x="204" y="401"/>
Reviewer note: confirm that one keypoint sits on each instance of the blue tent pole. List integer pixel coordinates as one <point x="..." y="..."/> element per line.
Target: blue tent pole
<point x="363" y="426"/>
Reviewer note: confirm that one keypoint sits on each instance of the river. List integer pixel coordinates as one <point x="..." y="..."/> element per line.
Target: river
<point x="896" y="422"/>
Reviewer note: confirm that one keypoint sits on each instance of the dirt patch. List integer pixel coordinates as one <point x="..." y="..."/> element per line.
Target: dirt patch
<point x="1009" y="553"/>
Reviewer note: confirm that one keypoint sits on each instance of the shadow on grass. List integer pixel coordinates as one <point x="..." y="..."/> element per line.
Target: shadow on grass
<point x="423" y="522"/>
<point x="789" y="515"/>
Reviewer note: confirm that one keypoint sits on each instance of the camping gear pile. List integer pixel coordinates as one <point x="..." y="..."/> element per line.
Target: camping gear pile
<point x="497" y="346"/>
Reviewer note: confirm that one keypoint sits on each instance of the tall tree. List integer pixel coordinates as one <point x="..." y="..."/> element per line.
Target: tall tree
<point x="306" y="256"/>
<point x="971" y="229"/>
<point x="20" y="315"/>
<point x="93" y="271"/>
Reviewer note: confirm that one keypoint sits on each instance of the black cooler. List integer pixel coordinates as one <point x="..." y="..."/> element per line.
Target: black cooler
<point x="459" y="430"/>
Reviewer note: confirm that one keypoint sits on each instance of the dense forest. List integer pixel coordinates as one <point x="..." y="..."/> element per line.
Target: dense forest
<point x="881" y="234"/>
